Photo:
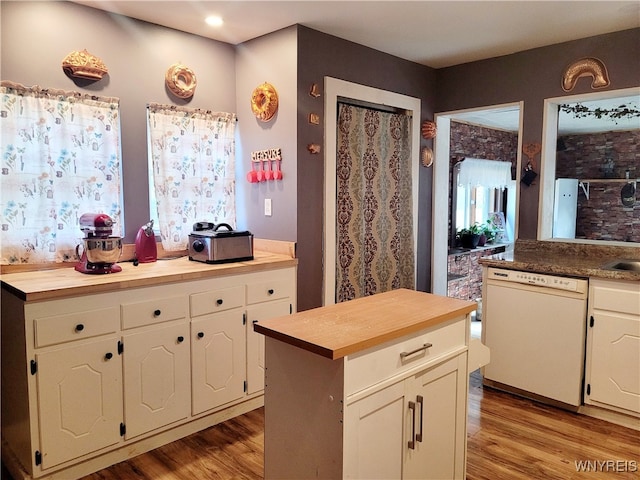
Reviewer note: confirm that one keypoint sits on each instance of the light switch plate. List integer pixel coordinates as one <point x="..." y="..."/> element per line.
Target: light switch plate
<point x="267" y="207"/>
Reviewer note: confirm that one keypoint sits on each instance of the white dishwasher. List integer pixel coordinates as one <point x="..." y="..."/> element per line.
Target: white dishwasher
<point x="535" y="327"/>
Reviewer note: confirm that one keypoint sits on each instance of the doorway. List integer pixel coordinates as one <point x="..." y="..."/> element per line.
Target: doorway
<point x="504" y="116"/>
<point x="336" y="90"/>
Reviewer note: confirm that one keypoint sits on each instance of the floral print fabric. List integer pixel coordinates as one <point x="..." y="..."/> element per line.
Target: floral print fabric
<point x="193" y="154"/>
<point x="61" y="158"/>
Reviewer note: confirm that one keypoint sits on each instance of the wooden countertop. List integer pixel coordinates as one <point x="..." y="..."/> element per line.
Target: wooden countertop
<point x="335" y="331"/>
<point x="65" y="282"/>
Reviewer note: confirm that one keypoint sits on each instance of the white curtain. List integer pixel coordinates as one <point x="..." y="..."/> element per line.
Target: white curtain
<point x="61" y="157"/>
<point x="193" y="155"/>
<point x="487" y="173"/>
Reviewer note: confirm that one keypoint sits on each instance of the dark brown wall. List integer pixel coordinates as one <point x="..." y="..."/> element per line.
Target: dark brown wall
<point x="531" y="76"/>
<point x="321" y="55"/>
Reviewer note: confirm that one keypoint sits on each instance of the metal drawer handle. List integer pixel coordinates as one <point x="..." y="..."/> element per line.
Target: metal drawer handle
<point x="404" y="355"/>
<point x="412" y="442"/>
<point x="420" y="401"/>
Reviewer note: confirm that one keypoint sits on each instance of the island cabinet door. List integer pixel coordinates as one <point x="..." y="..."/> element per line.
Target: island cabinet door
<point x="218" y="361"/>
<point x="435" y="422"/>
<point x="156" y="378"/>
<point x="374" y="437"/>
<point x="79" y="400"/>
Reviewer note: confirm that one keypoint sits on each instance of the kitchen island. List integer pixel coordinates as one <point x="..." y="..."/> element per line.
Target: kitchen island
<point x="371" y="388"/>
<point x="100" y="368"/>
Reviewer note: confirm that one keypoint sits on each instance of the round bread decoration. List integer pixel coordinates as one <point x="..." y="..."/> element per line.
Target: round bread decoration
<point x="264" y="102"/>
<point x="181" y="80"/>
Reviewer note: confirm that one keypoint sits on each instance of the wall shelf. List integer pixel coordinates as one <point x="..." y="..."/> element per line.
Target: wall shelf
<point x="585" y="184"/>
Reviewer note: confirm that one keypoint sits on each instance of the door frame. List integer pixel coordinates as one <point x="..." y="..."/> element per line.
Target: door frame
<point x="441" y="192"/>
<point x="334" y="89"/>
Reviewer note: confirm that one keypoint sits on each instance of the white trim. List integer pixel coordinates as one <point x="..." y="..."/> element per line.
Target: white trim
<point x="334" y="88"/>
<point x="440" y="201"/>
<point x="548" y="160"/>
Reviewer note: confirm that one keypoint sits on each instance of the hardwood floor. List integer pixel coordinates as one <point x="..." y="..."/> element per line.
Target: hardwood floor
<point x="509" y="438"/>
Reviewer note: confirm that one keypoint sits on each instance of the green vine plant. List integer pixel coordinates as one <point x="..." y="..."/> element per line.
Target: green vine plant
<point x="622" y="111"/>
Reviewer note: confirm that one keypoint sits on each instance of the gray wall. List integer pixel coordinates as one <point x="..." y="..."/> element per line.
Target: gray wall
<point x="531" y="76"/>
<point x="37" y="36"/>
<point x="321" y="55"/>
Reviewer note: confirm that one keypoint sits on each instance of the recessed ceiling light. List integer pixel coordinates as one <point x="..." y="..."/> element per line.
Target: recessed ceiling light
<point x="214" y="21"/>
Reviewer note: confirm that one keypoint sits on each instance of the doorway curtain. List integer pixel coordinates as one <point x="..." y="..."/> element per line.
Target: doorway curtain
<point x="374" y="217"/>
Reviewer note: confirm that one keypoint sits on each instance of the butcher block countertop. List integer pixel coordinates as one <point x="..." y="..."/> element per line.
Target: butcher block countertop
<point x="66" y="282"/>
<point x="335" y="331"/>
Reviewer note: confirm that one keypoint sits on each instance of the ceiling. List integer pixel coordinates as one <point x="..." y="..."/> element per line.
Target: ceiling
<point x="433" y="33"/>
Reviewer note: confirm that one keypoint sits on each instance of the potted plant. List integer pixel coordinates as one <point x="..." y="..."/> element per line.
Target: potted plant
<point x="489" y="231"/>
<point x="470" y="236"/>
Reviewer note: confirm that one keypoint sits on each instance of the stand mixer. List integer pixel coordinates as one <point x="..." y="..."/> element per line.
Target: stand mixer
<point x="101" y="251"/>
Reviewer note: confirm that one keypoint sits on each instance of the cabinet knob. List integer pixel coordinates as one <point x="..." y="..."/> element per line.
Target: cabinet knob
<point x="157" y="313"/>
<point x="180" y="339"/>
<point x="219" y="301"/>
<point x="108" y="356"/>
<point x="79" y="327"/>
<point x="200" y="334"/>
<point x="271" y="291"/>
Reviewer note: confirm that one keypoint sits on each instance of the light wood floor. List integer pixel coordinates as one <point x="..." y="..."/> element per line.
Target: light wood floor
<point x="509" y="438"/>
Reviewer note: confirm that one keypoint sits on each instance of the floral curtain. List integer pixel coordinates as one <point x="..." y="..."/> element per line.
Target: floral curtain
<point x="61" y="157"/>
<point x="374" y="203"/>
<point x="193" y="155"/>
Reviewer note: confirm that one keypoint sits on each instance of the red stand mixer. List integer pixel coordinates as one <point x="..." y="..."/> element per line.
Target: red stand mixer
<point x="101" y="251"/>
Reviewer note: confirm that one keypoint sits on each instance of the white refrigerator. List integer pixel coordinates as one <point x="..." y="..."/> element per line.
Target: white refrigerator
<point x="565" y="208"/>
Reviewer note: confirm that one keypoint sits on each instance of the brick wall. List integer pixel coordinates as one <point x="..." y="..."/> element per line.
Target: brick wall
<point x="603" y="156"/>
<point x="465" y="273"/>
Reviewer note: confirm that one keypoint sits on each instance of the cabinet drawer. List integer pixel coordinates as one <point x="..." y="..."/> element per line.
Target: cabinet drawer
<point x="214" y="301"/>
<point x="275" y="288"/>
<point x="369" y="367"/>
<point x="616" y="296"/>
<point x="75" y="326"/>
<point x="149" y="312"/>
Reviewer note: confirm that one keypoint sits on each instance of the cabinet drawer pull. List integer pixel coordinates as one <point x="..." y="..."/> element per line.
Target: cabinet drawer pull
<point x="219" y="301"/>
<point x="420" y="401"/>
<point x="157" y="313"/>
<point x="200" y="334"/>
<point x="108" y="356"/>
<point x="412" y="442"/>
<point x="271" y="291"/>
<point x="180" y="339"/>
<point x="79" y="327"/>
<point x="404" y="355"/>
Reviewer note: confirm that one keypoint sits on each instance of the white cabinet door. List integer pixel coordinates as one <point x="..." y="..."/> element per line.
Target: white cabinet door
<point x="255" y="341"/>
<point x="79" y="400"/>
<point x="435" y="422"/>
<point x="156" y="378"/>
<point x="218" y="362"/>
<point x="374" y="439"/>
<point x="615" y="360"/>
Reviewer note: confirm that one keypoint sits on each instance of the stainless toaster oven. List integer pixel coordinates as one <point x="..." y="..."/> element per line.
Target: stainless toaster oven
<point x="219" y="243"/>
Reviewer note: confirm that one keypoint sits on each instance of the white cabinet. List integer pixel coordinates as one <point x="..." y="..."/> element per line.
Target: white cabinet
<point x="218" y="363"/>
<point x="613" y="346"/>
<point x="411" y="429"/>
<point x="79" y="399"/>
<point x="96" y="378"/>
<point x="396" y="410"/>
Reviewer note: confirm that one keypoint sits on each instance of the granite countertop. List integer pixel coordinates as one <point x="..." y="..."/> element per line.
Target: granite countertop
<point x="565" y="258"/>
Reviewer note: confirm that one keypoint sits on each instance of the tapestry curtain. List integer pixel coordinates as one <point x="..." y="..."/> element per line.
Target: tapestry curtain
<point x="61" y="157"/>
<point x="374" y="244"/>
<point x="193" y="158"/>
